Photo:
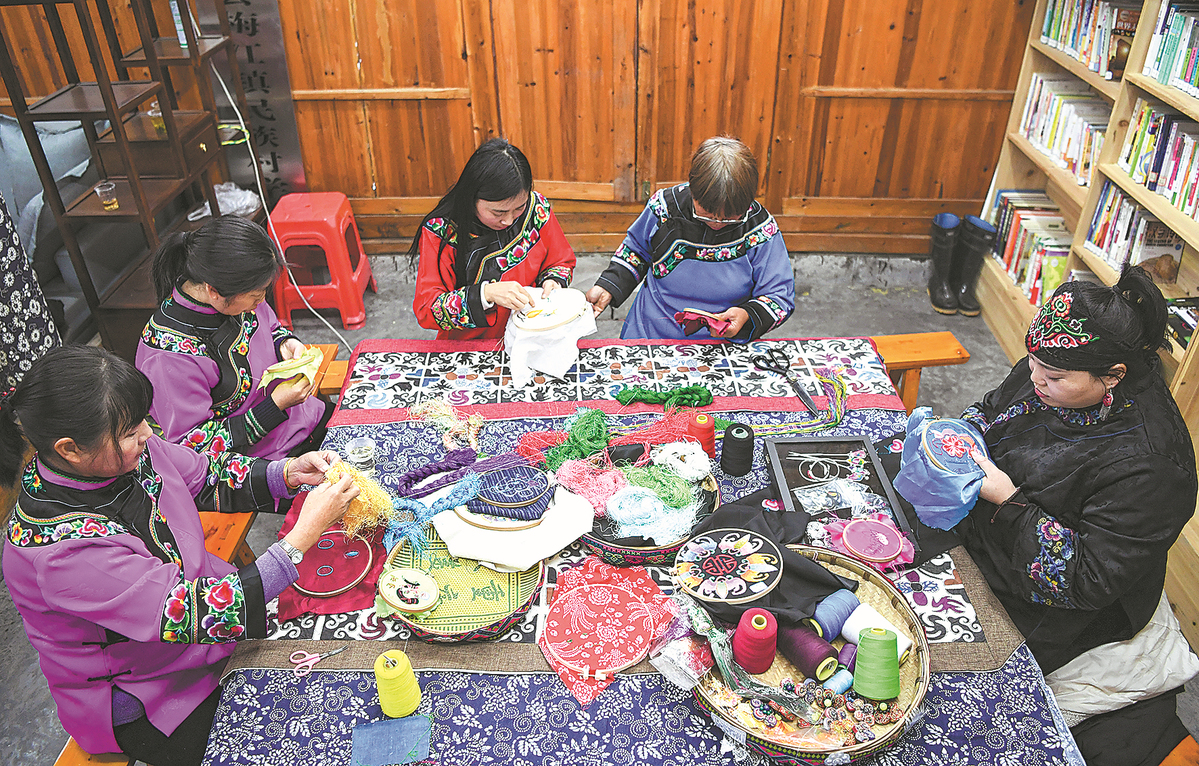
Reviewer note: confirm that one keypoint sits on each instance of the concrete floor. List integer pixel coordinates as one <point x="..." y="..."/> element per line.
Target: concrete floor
<point x="835" y="295"/>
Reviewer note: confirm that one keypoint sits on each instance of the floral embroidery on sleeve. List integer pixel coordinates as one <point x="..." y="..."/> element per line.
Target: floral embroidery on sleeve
<point x="776" y="310"/>
<point x="450" y="310"/>
<point x="562" y="274"/>
<point x="231" y="468"/>
<point x="208" y="610"/>
<point x="630" y="257"/>
<point x="1048" y="570"/>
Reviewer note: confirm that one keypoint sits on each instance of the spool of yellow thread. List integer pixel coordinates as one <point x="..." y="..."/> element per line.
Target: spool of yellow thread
<point x="399" y="693"/>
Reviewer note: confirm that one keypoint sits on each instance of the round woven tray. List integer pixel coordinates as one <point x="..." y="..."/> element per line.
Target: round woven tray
<point x="602" y="544"/>
<point x="476" y="604"/>
<point x="794" y="749"/>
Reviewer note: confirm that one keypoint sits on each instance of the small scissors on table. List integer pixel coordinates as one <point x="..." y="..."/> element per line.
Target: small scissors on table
<point x="776" y="360"/>
<point x="304" y="661"/>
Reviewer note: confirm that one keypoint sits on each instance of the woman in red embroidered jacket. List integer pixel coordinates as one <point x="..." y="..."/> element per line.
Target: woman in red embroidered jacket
<point x="488" y="241"/>
<point x="131" y="617"/>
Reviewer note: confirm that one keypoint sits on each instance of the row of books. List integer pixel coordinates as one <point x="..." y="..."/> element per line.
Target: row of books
<point x="1032" y="241"/>
<point x="1182" y="318"/>
<point x="1097" y="33"/>
<point x="1122" y="231"/>
<point x="1161" y="152"/>
<point x="1173" y="57"/>
<point x="1067" y="122"/>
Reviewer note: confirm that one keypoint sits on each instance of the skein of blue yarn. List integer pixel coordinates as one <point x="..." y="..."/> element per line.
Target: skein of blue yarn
<point x="832" y="612"/>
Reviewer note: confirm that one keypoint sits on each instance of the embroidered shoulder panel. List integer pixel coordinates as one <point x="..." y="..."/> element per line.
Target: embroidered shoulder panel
<point x="158" y="336"/>
<point x="657" y="203"/>
<point x="438" y="226"/>
<point x="1081" y="418"/>
<point x="517" y="250"/>
<point x="1048" y="569"/>
<point x="25" y="531"/>
<point x="681" y="250"/>
<point x="450" y="310"/>
<point x="207" y="610"/>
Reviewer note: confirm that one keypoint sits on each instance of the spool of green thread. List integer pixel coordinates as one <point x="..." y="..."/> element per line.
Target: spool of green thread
<point x="876" y="674"/>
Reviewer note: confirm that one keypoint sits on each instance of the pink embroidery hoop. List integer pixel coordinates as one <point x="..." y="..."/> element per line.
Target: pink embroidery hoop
<point x="313" y="580"/>
<point x="872" y="540"/>
<point x="598" y="629"/>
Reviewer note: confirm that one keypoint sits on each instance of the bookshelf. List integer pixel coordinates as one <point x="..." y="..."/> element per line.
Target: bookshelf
<point x="1008" y="312"/>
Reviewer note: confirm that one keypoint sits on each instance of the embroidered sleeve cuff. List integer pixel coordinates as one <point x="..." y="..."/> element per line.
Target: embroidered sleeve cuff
<point x="276" y="572"/>
<point x="263" y="418"/>
<point x="280" y="339"/>
<point x="560" y="274"/>
<point x="475" y="307"/>
<point x="619" y="281"/>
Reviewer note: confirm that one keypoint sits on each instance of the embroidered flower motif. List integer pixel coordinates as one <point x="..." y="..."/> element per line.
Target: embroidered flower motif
<point x="220" y="596"/>
<point x="1048" y="570"/>
<point x="220" y="630"/>
<point x="896" y="445"/>
<point x="450" y="310"/>
<point x="1053" y="327"/>
<point x="176" y="607"/>
<point x="952" y="443"/>
<point x="771" y="504"/>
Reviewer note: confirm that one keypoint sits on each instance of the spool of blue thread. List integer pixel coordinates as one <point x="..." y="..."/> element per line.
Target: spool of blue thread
<point x="840" y="682"/>
<point x="831" y="613"/>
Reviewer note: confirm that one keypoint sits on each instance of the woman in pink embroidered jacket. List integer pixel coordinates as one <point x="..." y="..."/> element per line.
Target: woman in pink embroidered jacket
<point x="131" y="616"/>
<point x="211" y="339"/>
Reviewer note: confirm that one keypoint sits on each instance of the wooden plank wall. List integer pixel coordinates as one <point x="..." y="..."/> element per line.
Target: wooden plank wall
<point x="866" y="116"/>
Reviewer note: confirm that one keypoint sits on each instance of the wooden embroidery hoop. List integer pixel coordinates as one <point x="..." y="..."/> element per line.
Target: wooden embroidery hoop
<point x="405" y="572"/>
<point x="932" y="453"/>
<point x="561" y="313"/>
<point x="370" y="560"/>
<point x="496" y="523"/>
<point x="717" y="535"/>
<point x="599" y="674"/>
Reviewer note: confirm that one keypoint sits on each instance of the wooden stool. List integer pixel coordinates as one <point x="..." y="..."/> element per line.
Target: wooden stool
<point x="906" y="355"/>
<point x="316" y="231"/>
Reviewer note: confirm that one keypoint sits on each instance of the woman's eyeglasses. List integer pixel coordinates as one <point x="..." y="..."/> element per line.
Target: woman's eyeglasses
<point x="706" y="219"/>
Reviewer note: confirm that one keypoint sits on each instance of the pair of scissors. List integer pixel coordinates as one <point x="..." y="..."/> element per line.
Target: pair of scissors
<point x="304" y="661"/>
<point x="776" y="360"/>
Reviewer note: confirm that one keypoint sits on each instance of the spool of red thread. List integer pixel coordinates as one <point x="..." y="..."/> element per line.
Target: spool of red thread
<point x="702" y="428"/>
<point x="754" y="640"/>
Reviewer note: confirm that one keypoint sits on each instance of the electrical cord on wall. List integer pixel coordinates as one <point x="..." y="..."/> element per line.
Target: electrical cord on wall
<point x="262" y="195"/>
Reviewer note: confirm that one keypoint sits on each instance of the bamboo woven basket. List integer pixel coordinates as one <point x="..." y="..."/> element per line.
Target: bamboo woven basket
<point x="877" y="591"/>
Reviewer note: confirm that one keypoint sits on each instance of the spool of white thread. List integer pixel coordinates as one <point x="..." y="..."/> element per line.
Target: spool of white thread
<point x="866" y="617"/>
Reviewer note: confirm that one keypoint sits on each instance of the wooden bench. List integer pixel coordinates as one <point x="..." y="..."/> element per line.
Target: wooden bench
<point x="906" y="355"/>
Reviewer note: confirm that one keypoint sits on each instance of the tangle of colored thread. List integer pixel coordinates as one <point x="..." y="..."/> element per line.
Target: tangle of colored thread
<point x="453" y="425"/>
<point x="638" y="512"/>
<point x="687" y="396"/>
<point x="370" y="509"/>
<point x="594" y="484"/>
<point x="671" y="427"/>
<point x="587" y="436"/>
<point x="687" y="459"/>
<point x="670" y="488"/>
<point x="532" y="444"/>
<point x="454" y="459"/>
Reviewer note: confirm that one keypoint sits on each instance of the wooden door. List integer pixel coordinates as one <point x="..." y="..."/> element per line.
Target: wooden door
<point x="704" y="69"/>
<point x="566" y="92"/>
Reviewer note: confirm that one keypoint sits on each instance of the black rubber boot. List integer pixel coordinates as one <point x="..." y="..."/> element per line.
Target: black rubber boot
<point x="976" y="237"/>
<point x="944" y="236"/>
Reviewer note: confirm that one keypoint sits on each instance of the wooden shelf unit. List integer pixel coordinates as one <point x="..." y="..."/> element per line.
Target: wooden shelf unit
<point x="1021" y="166"/>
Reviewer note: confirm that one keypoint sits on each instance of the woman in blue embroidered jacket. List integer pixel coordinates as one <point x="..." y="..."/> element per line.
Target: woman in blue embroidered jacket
<point x="131" y="617"/>
<point x="208" y="344"/>
<point x="707" y="245"/>
<point x="1093" y="475"/>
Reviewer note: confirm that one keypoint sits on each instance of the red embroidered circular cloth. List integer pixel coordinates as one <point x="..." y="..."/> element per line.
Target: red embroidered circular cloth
<point x="596" y="629"/>
<point x="872" y="540"/>
<point x="334" y="565"/>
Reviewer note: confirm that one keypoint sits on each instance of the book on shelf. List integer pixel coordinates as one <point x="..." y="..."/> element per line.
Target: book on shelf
<point x="1121" y="231"/>
<point x="1158" y="249"/>
<point x="1161" y="152"/>
<point x="1032" y="240"/>
<point x="1181" y="319"/>
<point x="1064" y="120"/>
<point x="1173" y="52"/>
<point x="1083" y="275"/>
<point x="1097" y="33"/>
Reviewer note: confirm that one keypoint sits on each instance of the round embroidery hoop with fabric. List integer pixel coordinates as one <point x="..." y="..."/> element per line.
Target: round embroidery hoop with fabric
<point x="476" y="603"/>
<point x="493" y="522"/>
<point x="598" y="629"/>
<point x="948" y="443"/>
<point x="872" y="540"/>
<point x="408" y="590"/>
<point x="731" y="566"/>
<point x="519" y="492"/>
<point x="564" y="306"/>
<point x="334" y="565"/>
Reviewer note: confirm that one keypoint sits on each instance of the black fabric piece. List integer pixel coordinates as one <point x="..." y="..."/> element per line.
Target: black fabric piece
<point x="268" y="415"/>
<point x="1142" y="734"/>
<point x="484" y="241"/>
<point x="1117" y="490"/>
<point x="317" y="437"/>
<point x="626" y="454"/>
<point x="474" y="305"/>
<point x="804" y="582"/>
<point x="255" y="600"/>
<point x="184" y="747"/>
<point x="930" y="542"/>
<point x="760" y="320"/>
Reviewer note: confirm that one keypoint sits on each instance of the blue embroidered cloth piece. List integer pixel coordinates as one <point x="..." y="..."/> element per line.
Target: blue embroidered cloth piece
<point x="394" y="741"/>
<point x="413" y="529"/>
<point x="941" y="494"/>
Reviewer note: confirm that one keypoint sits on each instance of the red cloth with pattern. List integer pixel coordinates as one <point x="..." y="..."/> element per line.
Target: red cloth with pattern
<point x="633" y="579"/>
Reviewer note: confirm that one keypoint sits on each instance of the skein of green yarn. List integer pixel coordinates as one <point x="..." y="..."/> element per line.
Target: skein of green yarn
<point x="670" y="488"/>
<point x="688" y="396"/>
<point x="587" y="436"/>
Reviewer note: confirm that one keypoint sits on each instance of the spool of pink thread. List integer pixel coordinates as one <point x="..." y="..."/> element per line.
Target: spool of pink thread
<point x="754" y="640"/>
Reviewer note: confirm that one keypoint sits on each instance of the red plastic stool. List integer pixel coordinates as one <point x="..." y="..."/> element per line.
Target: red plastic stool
<point x="316" y="233"/>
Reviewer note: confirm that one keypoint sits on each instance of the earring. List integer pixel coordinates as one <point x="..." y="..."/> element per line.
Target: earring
<point x="1107" y="404"/>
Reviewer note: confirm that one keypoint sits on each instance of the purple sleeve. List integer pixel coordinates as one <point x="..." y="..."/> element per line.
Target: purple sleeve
<point x="277" y="481"/>
<point x="773" y="289"/>
<point x="183" y="390"/>
<point x="276" y="572"/>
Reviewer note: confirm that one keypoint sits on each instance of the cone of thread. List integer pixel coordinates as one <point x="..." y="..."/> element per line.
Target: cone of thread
<point x="702" y="428"/>
<point x="877" y="673"/>
<point x="754" y="642"/>
<point x="399" y="693"/>
<point x="815" y="657"/>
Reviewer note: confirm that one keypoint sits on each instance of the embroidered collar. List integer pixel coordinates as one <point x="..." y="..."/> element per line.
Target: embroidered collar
<point x="64" y="479"/>
<point x="680" y="236"/>
<point x="484" y="265"/>
<point x="1086" y="417"/>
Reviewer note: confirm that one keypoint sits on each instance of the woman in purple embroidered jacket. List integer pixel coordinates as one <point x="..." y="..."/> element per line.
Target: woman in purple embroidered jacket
<point x="1093" y="476"/>
<point x="707" y="245"/>
<point x="207" y="345"/>
<point x="131" y="616"/>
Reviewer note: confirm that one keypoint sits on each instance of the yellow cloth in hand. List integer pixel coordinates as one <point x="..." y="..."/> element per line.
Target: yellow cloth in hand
<point x="306" y="364"/>
<point x="370" y="509"/>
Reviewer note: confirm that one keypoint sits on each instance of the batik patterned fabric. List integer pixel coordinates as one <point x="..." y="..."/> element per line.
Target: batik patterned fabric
<point x="383" y="379"/>
<point x="401" y="447"/>
<point x="26" y="329"/>
<point x="1005" y="717"/>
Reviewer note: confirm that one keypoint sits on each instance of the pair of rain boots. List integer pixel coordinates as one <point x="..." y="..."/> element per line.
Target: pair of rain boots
<point x="958" y="250"/>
